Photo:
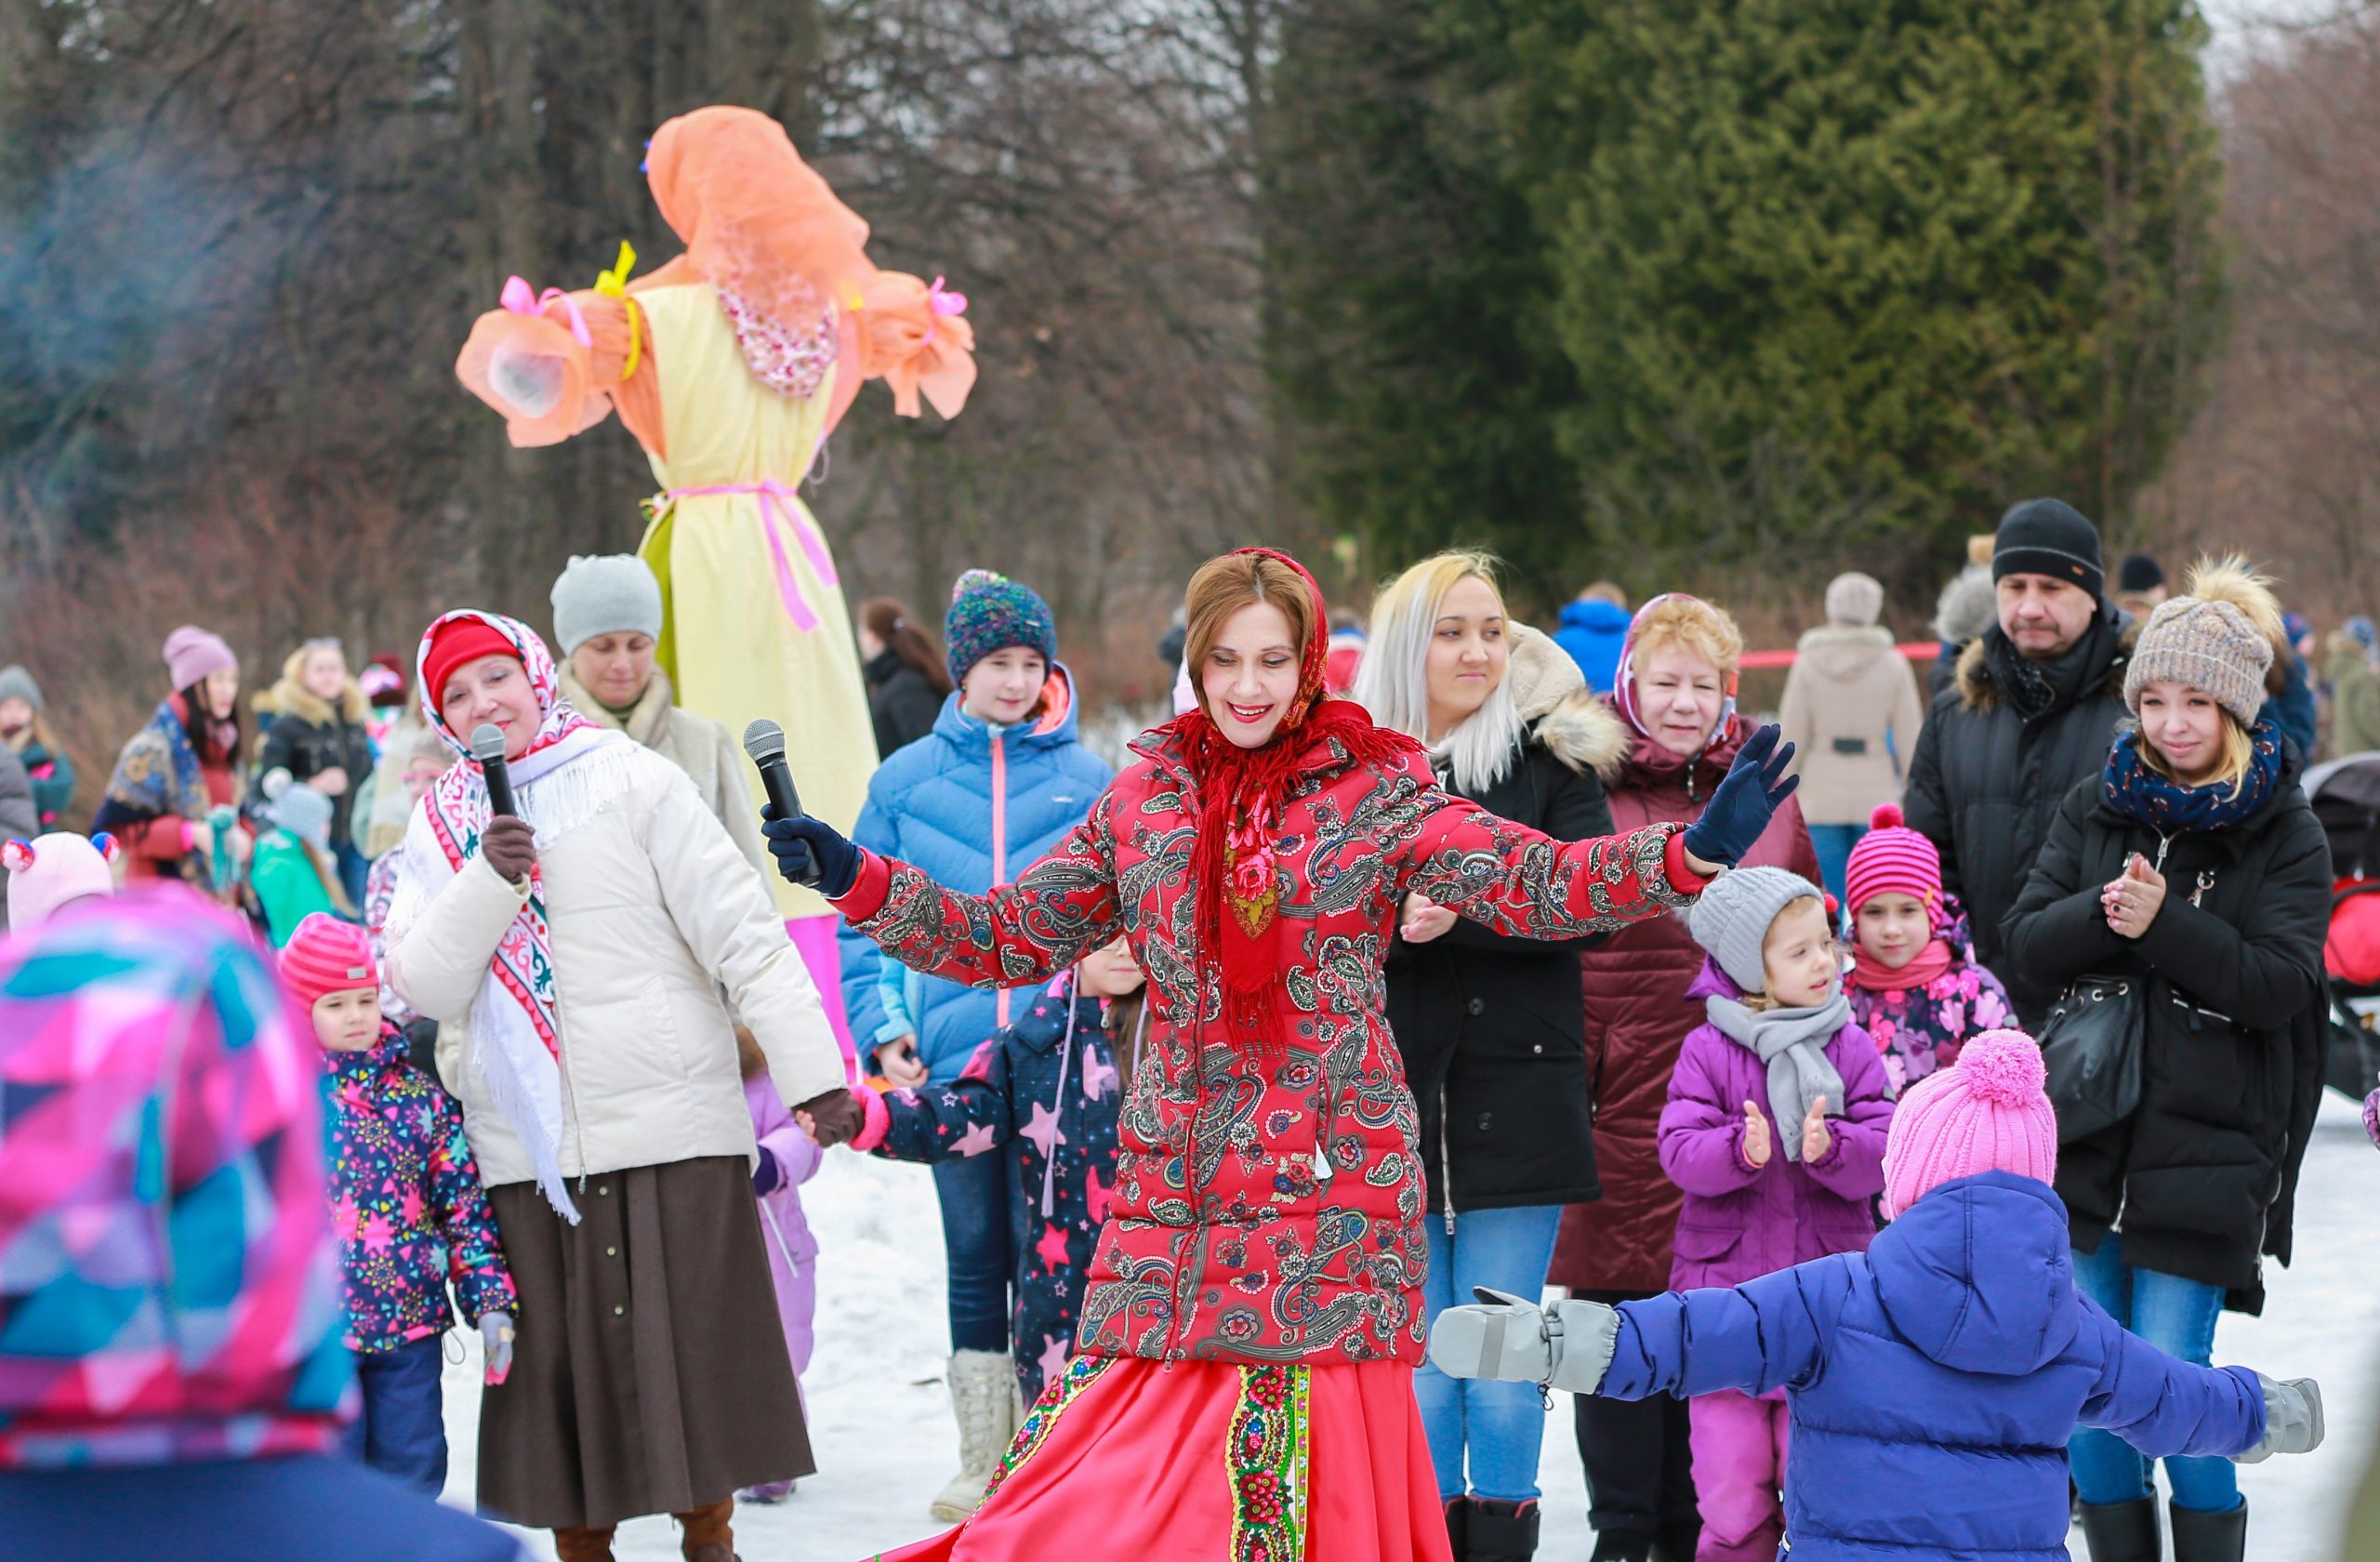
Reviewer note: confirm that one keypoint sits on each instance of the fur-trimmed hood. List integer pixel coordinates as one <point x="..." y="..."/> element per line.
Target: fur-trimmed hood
<point x="1978" y="691"/>
<point x="1552" y="695"/>
<point x="289" y="697"/>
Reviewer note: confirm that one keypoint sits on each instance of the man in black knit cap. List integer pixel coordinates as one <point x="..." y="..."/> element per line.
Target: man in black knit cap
<point x="2028" y="716"/>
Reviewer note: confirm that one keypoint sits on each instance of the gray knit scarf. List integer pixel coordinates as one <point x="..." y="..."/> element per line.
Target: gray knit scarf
<point x="1793" y="1043"/>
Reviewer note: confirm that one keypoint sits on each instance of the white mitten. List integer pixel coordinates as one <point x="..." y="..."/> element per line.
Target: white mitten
<point x="1511" y="1340"/>
<point x="2292" y="1418"/>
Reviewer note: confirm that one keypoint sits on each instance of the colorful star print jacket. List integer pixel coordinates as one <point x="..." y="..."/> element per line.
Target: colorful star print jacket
<point x="407" y="1204"/>
<point x="1044" y="1093"/>
<point x="1266" y="1211"/>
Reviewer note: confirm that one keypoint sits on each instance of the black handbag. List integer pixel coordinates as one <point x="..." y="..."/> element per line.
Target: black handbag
<point x="2090" y="1048"/>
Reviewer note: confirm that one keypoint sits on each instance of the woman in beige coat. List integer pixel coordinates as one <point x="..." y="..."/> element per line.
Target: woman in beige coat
<point x="575" y="957"/>
<point x="1851" y="711"/>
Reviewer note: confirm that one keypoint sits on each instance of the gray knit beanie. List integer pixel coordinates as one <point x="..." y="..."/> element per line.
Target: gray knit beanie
<point x="1854" y="599"/>
<point x="2208" y="645"/>
<point x="606" y="593"/>
<point x="305" y="814"/>
<point x="17" y="683"/>
<point x="1731" y="919"/>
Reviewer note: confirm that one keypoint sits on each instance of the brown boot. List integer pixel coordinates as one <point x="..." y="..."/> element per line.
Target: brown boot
<point x="584" y="1545"/>
<point x="709" y="1536"/>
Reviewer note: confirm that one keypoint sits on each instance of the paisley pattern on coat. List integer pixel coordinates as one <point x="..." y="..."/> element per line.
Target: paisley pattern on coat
<point x="1268" y="1211"/>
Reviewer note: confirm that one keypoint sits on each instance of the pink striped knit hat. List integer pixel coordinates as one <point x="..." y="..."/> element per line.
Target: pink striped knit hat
<point x="327" y="955"/>
<point x="1989" y="1113"/>
<point x="1892" y="858"/>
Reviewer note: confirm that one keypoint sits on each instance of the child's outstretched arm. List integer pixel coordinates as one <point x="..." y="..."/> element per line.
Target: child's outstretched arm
<point x="2165" y="1408"/>
<point x="1768" y="1334"/>
<point x="967" y="1117"/>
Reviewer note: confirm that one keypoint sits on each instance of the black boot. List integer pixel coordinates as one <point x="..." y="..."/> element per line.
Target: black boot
<point x="2209" y="1536"/>
<point x="2122" y="1531"/>
<point x="1678" y="1540"/>
<point x="1459" y="1527"/>
<point x="1624" y="1545"/>
<point x="1501" y="1532"/>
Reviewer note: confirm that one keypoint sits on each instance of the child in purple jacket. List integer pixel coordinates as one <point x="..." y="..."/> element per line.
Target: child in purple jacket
<point x="789" y="1158"/>
<point x="406" y="1206"/>
<point x="1775" y="1127"/>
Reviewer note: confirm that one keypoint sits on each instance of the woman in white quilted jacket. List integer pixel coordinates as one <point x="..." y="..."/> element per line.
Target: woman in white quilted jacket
<point x="575" y="958"/>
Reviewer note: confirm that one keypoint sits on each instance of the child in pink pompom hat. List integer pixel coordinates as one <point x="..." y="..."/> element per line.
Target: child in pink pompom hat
<point x="1915" y="985"/>
<point x="1989" y="1114"/>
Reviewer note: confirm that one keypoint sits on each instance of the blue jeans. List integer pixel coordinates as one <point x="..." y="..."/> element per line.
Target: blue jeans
<point x="975" y="1235"/>
<point x="354" y="870"/>
<point x="402" y="1430"/>
<point x="1484" y="1434"/>
<point x="2177" y="1316"/>
<point x="1834" y="843"/>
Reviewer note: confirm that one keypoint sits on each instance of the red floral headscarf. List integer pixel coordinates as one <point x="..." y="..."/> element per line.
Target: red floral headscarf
<point x="1240" y="796"/>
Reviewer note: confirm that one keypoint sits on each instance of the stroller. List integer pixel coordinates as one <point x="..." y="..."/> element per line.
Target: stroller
<point x="2345" y="796"/>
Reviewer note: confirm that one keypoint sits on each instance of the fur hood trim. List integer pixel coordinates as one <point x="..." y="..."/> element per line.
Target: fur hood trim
<point x="1552" y="695"/>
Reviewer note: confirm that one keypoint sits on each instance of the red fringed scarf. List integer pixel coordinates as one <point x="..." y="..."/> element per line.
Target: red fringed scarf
<point x="1243" y="943"/>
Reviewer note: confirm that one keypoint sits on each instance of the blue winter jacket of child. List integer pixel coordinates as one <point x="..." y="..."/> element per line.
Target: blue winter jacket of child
<point x="1047" y="1093"/>
<point x="1936" y="1379"/>
<point x="972" y="809"/>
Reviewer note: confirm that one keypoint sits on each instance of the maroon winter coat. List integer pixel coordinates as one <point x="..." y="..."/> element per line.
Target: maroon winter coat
<point x="1638" y="1016"/>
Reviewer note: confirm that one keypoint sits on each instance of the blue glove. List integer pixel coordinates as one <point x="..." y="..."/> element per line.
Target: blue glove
<point x="768" y="1177"/>
<point x="1756" y="785"/>
<point x="812" y="854"/>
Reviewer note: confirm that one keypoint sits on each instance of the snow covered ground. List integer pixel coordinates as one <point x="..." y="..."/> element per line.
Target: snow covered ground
<point x="885" y="1441"/>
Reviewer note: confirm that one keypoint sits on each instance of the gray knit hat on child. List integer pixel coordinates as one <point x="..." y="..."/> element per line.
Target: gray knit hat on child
<point x="1731" y="919"/>
<point x="2208" y="645"/>
<point x="17" y="683"/>
<point x="606" y="593"/>
<point x="305" y="814"/>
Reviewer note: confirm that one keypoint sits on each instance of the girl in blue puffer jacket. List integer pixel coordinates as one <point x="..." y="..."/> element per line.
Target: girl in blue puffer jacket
<point x="1936" y="1378"/>
<point x="998" y="783"/>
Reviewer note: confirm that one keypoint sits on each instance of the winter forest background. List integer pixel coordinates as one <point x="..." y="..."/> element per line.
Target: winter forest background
<point x="1732" y="294"/>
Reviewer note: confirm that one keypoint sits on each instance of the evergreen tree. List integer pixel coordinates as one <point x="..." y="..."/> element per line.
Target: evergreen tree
<point x="1865" y="270"/>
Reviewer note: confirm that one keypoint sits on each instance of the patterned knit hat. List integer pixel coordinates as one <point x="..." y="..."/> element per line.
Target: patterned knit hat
<point x="1893" y="859"/>
<point x="990" y="613"/>
<point x="1987" y="1113"/>
<point x="2208" y="645"/>
<point x="165" y="1259"/>
<point x="327" y="955"/>
<point x="1731" y="919"/>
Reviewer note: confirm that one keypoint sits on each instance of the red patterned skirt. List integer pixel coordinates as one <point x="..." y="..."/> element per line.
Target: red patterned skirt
<point x="1124" y="1457"/>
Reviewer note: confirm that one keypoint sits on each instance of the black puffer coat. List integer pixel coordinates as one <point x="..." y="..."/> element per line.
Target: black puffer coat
<point x="2203" y="1177"/>
<point x="901" y="702"/>
<point x="1985" y="783"/>
<point x="1493" y="1029"/>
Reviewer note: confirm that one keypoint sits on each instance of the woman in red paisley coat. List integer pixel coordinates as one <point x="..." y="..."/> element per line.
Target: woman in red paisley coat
<point x="1244" y="1363"/>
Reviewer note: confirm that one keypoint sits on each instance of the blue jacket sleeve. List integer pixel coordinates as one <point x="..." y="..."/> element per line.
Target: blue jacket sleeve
<point x="1768" y="1334"/>
<point x="967" y="1117"/>
<point x="863" y="994"/>
<point x="2164" y="1407"/>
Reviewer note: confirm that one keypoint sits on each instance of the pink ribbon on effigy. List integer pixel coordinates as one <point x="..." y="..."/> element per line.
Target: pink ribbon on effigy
<point x="779" y="513"/>
<point x="518" y="298"/>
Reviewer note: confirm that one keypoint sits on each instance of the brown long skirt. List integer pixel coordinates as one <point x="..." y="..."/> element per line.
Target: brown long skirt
<point x="650" y="1374"/>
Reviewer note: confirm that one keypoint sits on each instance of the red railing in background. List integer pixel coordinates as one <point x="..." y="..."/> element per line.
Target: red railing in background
<point x="1915" y="650"/>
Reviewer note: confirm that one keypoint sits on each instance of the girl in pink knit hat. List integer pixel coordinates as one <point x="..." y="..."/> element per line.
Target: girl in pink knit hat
<point x="1932" y="1380"/>
<point x="1914" y="983"/>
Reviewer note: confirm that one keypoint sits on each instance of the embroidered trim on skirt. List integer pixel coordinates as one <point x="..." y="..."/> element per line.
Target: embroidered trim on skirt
<point x="1256" y="1463"/>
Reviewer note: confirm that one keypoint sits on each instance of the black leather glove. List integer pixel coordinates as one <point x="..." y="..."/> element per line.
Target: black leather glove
<point x="1756" y="785"/>
<point x="836" y="1117"/>
<point x="510" y="848"/>
<point x="810" y="854"/>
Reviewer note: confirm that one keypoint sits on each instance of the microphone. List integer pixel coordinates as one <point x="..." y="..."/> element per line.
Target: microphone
<point x="764" y="743"/>
<point x="487" y="747"/>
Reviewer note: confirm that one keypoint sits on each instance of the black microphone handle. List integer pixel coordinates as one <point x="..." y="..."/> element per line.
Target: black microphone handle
<point x="499" y="789"/>
<point x="777" y="781"/>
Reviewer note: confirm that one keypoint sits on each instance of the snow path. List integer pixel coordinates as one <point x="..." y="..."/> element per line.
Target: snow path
<point x="885" y="1442"/>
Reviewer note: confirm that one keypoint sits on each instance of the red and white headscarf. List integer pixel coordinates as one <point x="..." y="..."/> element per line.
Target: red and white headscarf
<point x="513" y="1019"/>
